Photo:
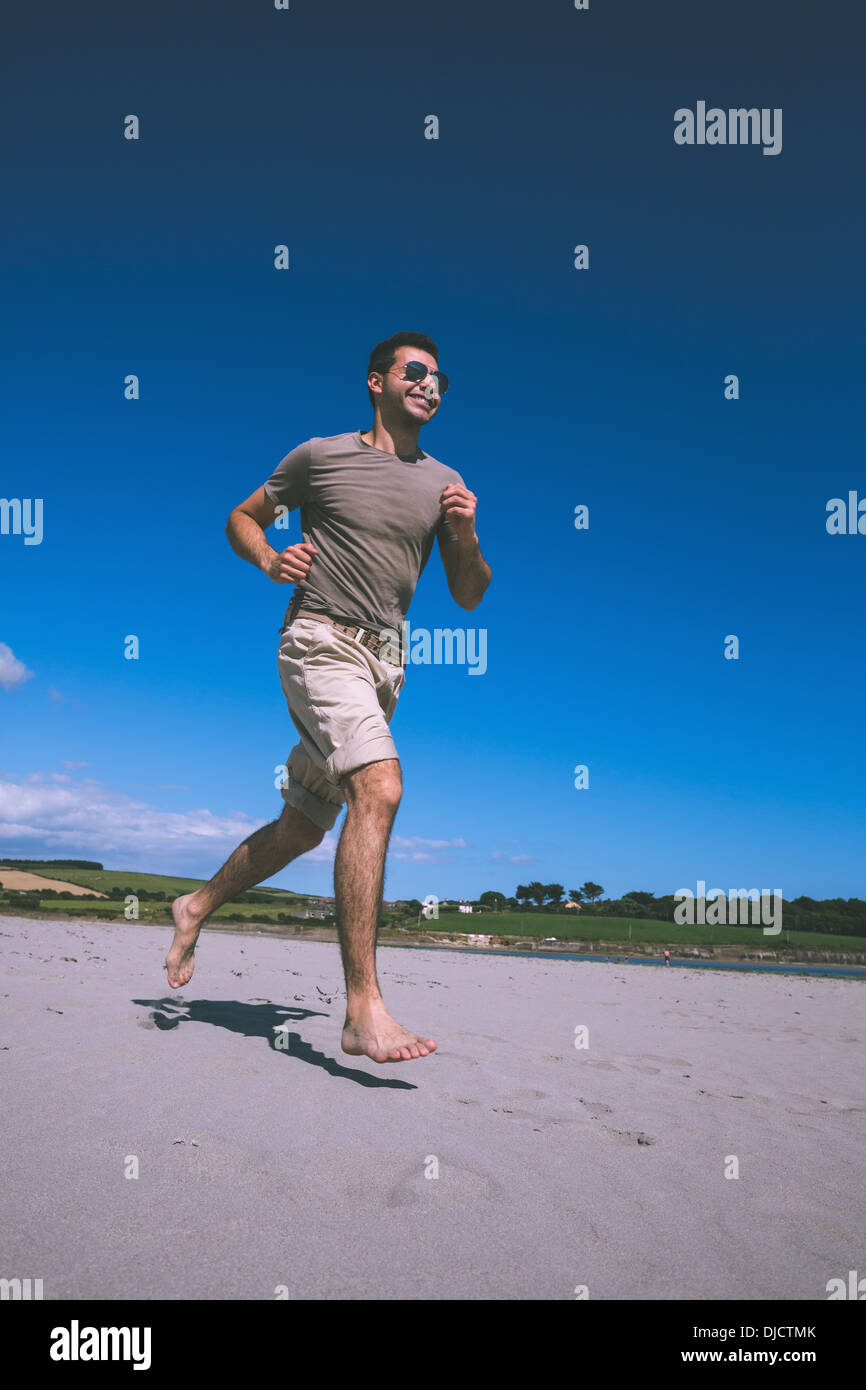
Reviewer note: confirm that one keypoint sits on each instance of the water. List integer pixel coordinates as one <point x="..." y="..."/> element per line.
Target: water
<point x="852" y="972"/>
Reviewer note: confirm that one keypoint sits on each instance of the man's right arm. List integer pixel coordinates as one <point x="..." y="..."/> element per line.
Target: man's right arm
<point x="245" y="529"/>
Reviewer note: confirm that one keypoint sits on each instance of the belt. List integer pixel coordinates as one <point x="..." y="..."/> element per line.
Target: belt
<point x="364" y="636"/>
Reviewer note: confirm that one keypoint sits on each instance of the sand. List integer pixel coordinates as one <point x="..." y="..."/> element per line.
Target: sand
<point x="303" y="1170"/>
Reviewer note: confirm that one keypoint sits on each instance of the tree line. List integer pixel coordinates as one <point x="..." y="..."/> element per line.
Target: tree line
<point x="834" y="916"/>
<point x="52" y="863"/>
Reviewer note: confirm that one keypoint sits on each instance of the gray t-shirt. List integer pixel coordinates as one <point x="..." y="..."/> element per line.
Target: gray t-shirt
<point x="371" y="515"/>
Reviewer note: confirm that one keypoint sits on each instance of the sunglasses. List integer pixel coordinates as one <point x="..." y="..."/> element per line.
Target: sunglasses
<point x="419" y="371"/>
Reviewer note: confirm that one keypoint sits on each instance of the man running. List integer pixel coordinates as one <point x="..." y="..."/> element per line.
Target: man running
<point x="371" y="503"/>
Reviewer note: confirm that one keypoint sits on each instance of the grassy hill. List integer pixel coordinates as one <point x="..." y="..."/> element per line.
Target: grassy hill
<point x="279" y="904"/>
<point x="106" y="880"/>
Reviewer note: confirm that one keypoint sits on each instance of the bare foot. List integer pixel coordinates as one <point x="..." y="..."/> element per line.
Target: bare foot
<point x="372" y="1032"/>
<point x="180" y="962"/>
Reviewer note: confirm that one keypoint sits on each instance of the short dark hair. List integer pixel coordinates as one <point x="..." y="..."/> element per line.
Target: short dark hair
<point x="384" y="354"/>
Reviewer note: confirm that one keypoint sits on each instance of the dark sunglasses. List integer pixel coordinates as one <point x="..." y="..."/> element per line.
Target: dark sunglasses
<point x="417" y="371"/>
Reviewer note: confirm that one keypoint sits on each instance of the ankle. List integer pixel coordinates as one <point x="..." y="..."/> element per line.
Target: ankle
<point x="193" y="911"/>
<point x="362" y="1005"/>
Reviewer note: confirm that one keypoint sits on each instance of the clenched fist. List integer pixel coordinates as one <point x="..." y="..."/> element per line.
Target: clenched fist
<point x="292" y="565"/>
<point x="457" y="505"/>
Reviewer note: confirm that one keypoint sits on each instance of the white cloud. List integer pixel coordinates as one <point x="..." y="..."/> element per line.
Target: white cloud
<point x="410" y="842"/>
<point x="88" y="819"/>
<point x="416" y="849"/>
<point x="12" y="671"/>
<point x="511" y="858"/>
<point x="54" y="812"/>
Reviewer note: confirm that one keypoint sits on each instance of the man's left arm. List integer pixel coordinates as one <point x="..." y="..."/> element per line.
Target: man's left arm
<point x="466" y="569"/>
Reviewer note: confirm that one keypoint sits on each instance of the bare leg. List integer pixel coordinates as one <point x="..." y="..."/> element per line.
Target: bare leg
<point x="260" y="856"/>
<point x="373" y="794"/>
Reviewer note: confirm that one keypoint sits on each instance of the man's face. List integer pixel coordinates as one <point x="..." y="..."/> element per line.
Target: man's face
<point x="402" y="399"/>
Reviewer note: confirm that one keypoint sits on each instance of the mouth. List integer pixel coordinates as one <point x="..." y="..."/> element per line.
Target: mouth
<point x="422" y="400"/>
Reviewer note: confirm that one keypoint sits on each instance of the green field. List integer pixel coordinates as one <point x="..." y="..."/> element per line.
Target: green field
<point x="109" y="908"/>
<point x="104" y="880"/>
<point x="566" y="928"/>
<point x="114" y="881"/>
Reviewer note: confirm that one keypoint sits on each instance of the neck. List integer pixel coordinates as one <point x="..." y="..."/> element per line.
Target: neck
<point x="399" y="438"/>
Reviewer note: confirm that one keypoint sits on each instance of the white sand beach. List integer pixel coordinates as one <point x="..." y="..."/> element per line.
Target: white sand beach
<point x="262" y="1168"/>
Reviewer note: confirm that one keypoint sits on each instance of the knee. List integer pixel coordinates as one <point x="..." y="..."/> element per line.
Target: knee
<point x="389" y="793"/>
<point x="379" y="787"/>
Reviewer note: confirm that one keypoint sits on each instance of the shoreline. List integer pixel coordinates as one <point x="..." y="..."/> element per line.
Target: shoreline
<point x="691" y="955"/>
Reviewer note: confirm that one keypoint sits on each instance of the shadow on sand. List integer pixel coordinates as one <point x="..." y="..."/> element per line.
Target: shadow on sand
<point x="266" y="1021"/>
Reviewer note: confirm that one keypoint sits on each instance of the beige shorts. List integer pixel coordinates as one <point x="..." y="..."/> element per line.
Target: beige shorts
<point x="341" y="699"/>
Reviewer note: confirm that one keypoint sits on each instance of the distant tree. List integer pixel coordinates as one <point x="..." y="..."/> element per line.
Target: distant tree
<point x="575" y="895"/>
<point x="592" y="890"/>
<point x="537" y="892"/>
<point x="521" y="893"/>
<point x="492" y="899"/>
<point x="645" y="898"/>
<point x="554" y="892"/>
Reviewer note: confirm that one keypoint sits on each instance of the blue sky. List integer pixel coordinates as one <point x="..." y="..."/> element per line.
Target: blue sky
<point x="602" y="387"/>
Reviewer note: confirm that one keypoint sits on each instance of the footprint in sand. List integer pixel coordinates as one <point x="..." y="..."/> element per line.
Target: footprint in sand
<point x="455" y="1186"/>
<point x="628" y="1136"/>
<point x="667" y="1061"/>
<point x="595" y="1107"/>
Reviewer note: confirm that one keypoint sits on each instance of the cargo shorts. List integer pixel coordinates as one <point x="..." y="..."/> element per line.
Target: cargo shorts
<point x="341" y="699"/>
